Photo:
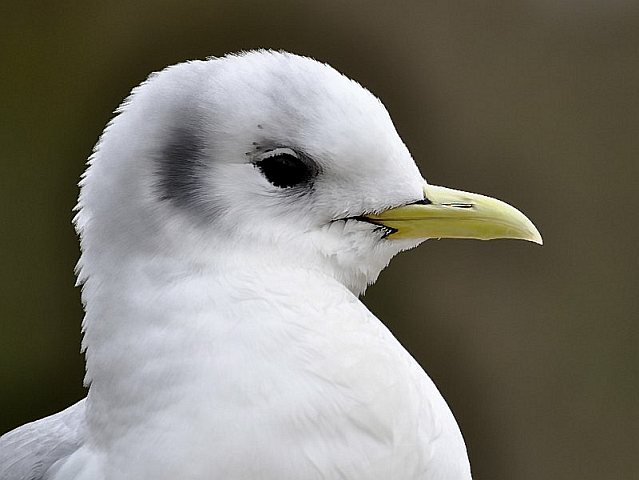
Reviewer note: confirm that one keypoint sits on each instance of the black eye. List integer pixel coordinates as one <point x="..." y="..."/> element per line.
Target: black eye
<point x="284" y="169"/>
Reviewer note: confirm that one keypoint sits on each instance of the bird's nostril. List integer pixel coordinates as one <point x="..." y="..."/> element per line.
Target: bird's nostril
<point x="424" y="201"/>
<point x="458" y="205"/>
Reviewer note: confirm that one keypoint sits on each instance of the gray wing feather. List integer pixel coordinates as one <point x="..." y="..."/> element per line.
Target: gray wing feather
<point x="28" y="452"/>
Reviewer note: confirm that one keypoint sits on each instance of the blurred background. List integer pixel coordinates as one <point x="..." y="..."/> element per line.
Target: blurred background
<point x="535" y="102"/>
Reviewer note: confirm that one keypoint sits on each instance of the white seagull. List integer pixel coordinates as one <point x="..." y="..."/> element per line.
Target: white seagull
<point x="230" y="217"/>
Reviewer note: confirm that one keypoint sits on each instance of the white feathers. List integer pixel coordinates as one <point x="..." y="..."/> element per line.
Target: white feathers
<point x="223" y="335"/>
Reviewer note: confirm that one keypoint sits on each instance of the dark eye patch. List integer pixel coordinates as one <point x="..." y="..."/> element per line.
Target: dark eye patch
<point x="285" y="170"/>
<point x="181" y="164"/>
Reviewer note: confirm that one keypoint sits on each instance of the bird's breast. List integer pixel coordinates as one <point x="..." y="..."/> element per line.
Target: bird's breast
<point x="282" y="385"/>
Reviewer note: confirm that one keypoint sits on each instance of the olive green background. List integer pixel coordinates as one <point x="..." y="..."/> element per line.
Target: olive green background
<point x="534" y="102"/>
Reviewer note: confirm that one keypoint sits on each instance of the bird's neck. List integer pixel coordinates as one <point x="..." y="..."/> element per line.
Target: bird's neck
<point x="181" y="331"/>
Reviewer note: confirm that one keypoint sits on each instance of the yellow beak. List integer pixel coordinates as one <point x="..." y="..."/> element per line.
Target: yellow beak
<point x="448" y="213"/>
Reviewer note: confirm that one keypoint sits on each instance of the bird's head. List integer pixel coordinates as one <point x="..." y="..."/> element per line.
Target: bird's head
<point x="267" y="158"/>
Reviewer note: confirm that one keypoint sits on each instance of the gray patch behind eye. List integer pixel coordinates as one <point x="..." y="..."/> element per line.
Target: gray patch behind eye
<point x="181" y="168"/>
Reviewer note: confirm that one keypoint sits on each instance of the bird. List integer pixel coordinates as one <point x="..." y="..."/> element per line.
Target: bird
<point x="230" y="217"/>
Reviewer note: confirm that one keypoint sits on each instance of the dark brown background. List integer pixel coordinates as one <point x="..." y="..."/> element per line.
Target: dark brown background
<point x="535" y="102"/>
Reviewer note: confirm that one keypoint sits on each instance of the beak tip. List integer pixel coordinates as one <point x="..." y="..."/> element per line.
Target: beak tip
<point x="535" y="236"/>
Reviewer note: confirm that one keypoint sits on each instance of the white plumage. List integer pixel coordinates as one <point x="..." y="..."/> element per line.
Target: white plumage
<point x="223" y="334"/>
